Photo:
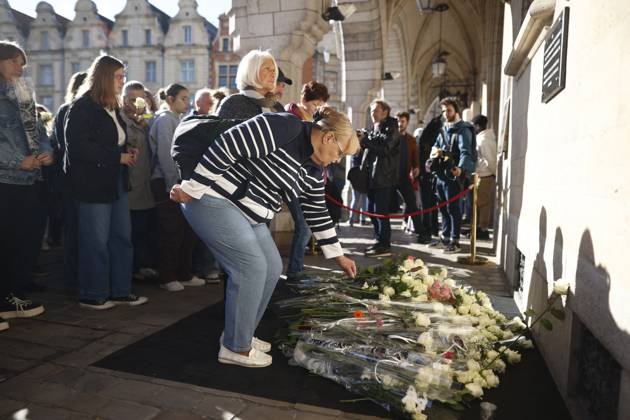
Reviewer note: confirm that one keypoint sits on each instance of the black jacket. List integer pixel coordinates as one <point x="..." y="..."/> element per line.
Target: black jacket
<point x="383" y="159"/>
<point x="93" y="154"/>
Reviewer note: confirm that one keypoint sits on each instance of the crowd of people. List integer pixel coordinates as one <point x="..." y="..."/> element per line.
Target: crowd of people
<point x="103" y="172"/>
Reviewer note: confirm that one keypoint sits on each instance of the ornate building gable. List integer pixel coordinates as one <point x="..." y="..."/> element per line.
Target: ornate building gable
<point x="14" y="25"/>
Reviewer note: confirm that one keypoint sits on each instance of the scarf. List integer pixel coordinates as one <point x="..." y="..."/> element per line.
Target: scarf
<point x="267" y="101"/>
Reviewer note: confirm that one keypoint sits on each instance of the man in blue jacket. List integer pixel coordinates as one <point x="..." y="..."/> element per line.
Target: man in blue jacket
<point x="455" y="144"/>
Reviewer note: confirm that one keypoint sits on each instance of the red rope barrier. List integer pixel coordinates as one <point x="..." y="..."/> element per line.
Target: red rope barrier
<point x="399" y="215"/>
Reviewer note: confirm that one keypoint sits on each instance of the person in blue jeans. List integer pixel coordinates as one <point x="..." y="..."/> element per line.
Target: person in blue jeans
<point x="455" y="139"/>
<point x="97" y="159"/>
<point x="22" y="155"/>
<point x="238" y="186"/>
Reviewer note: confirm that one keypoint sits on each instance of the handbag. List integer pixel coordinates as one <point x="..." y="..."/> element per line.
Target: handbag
<point x="359" y="177"/>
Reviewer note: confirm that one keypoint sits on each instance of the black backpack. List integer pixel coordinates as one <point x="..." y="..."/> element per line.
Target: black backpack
<point x="192" y="138"/>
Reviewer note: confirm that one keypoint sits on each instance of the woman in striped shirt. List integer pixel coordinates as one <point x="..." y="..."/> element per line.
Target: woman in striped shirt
<point x="238" y="186"/>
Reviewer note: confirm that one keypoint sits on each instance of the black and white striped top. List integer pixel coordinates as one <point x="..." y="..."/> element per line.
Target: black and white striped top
<point x="262" y="161"/>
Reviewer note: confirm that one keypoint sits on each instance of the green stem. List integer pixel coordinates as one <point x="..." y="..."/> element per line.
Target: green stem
<point x="550" y="303"/>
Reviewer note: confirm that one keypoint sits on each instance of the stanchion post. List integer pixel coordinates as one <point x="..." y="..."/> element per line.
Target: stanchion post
<point x="473" y="259"/>
<point x="313" y="247"/>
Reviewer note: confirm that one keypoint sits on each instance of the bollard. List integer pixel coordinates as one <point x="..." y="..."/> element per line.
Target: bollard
<point x="473" y="259"/>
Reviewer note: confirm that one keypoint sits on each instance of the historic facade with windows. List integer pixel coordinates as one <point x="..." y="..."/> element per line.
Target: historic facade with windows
<point x="223" y="60"/>
<point x="156" y="48"/>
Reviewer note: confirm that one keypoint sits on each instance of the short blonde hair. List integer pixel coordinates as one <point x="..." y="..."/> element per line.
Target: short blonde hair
<point x="327" y="119"/>
<point x="248" y="68"/>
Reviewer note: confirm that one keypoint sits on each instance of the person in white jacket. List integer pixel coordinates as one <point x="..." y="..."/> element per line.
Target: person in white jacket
<point x="486" y="169"/>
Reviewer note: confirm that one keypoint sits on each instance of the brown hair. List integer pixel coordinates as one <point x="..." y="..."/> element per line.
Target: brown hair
<point x="402" y="114"/>
<point x="10" y="49"/>
<point x="171" y="90"/>
<point x="313" y="90"/>
<point x="100" y="81"/>
<point x="384" y="105"/>
<point x="452" y="101"/>
<point x="75" y="82"/>
<point x="149" y="95"/>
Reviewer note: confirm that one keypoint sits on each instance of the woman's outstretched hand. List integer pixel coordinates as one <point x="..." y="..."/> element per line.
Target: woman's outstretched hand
<point x="178" y="195"/>
<point x="347" y="265"/>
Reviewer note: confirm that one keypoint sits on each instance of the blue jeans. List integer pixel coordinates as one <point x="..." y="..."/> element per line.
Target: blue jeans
<point x="105" y="252"/>
<point x="378" y="202"/>
<point x="248" y="255"/>
<point x="301" y="236"/>
<point x="451" y="214"/>
<point x="359" y="202"/>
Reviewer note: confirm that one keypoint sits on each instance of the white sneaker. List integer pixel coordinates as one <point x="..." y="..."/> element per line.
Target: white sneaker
<point x="255" y="358"/>
<point x="194" y="281"/>
<point x="257" y="343"/>
<point x="172" y="286"/>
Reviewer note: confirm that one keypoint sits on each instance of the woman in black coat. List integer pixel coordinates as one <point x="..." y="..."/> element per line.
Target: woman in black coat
<point x="97" y="161"/>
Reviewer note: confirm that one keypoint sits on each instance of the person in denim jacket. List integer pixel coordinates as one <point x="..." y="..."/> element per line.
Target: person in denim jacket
<point x="21" y="159"/>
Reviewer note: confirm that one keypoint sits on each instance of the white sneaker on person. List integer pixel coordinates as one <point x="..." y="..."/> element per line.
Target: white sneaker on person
<point x="148" y="273"/>
<point x="255" y="358"/>
<point x="172" y="286"/>
<point x="257" y="343"/>
<point x="194" y="281"/>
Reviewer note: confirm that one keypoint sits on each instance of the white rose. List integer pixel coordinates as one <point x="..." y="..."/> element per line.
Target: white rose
<point x="491" y="379"/>
<point x="418" y="263"/>
<point x="407" y="264"/>
<point x="516" y="324"/>
<point x="473" y="366"/>
<point x="526" y="344"/>
<point x="463" y="310"/>
<point x="421" y="319"/>
<point x="140" y="103"/>
<point x="475" y="390"/>
<point x="426" y="339"/>
<point x="561" y="288"/>
<point x="406" y="278"/>
<point x="450" y="310"/>
<point x="512" y="356"/>
<point x="475" y="309"/>
<point x="389" y="291"/>
<point x="467" y="300"/>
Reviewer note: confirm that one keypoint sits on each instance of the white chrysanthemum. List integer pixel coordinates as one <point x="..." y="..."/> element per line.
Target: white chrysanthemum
<point x="449" y="282"/>
<point x="418" y="263"/>
<point x="389" y="291"/>
<point x="467" y="300"/>
<point x="516" y="324"/>
<point x="388" y="381"/>
<point x="406" y="294"/>
<point x="365" y="285"/>
<point x="491" y="355"/>
<point x="407" y="279"/>
<point x="383" y="298"/>
<point x="366" y="374"/>
<point x="407" y="264"/>
<point x="438" y="307"/>
<point x="442" y="274"/>
<point x="140" y="103"/>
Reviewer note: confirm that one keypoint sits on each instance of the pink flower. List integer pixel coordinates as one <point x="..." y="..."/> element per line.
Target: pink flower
<point x="379" y="323"/>
<point x="440" y="292"/>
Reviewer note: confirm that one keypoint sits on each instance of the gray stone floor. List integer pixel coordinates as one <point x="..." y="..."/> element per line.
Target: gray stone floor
<point x="45" y="361"/>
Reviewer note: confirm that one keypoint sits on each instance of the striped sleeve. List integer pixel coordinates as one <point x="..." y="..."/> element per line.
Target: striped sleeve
<point x="253" y="138"/>
<point x="316" y="214"/>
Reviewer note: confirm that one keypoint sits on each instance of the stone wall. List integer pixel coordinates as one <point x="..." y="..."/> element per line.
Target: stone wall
<point x="565" y="199"/>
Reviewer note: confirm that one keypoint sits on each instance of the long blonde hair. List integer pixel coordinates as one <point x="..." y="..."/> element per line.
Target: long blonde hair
<point x="327" y="119"/>
<point x="100" y="82"/>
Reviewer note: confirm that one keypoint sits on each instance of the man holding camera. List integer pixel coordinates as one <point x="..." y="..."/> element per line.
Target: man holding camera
<point x="455" y="151"/>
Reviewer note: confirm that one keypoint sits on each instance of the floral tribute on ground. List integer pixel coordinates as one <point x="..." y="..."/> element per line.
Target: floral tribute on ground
<point x="404" y="335"/>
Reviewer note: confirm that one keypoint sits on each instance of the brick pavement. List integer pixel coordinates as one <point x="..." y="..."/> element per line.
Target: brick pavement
<point x="45" y="361"/>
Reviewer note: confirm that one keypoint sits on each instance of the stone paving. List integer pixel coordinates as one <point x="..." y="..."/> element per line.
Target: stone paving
<point x="45" y="361"/>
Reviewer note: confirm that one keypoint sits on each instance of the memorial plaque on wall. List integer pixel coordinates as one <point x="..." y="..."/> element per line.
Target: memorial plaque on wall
<point x="555" y="57"/>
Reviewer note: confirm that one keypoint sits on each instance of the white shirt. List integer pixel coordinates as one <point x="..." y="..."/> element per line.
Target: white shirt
<point x="122" y="136"/>
<point x="486" y="153"/>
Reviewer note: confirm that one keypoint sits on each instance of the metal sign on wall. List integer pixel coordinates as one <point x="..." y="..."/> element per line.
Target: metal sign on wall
<point x="555" y="57"/>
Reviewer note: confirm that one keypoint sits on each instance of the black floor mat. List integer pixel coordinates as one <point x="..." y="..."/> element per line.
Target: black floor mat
<point x="187" y="352"/>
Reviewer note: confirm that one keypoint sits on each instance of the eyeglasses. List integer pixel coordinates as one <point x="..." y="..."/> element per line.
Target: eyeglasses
<point x="341" y="153"/>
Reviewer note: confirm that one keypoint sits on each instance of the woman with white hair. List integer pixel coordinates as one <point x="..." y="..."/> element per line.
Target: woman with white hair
<point x="255" y="79"/>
